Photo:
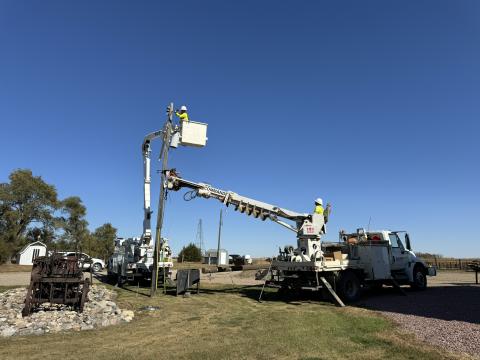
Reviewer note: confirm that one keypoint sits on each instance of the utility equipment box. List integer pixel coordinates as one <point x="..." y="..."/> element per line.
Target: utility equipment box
<point x="375" y="260"/>
<point x="193" y="133"/>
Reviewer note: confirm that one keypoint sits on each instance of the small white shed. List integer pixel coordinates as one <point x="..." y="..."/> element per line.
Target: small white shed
<point x="30" y="252"/>
<point x="210" y="257"/>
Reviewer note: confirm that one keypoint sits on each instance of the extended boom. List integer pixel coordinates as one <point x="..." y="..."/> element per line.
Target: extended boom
<point x="308" y="227"/>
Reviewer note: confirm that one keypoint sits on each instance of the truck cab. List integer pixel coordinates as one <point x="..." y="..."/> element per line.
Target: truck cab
<point x="398" y="261"/>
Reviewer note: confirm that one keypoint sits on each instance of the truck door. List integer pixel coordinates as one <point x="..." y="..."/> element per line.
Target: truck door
<point x="399" y="255"/>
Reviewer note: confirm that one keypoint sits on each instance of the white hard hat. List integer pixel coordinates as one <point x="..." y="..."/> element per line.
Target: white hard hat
<point x="319" y="201"/>
<point x="183" y="108"/>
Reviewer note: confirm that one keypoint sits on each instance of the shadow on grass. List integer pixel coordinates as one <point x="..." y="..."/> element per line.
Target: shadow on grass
<point x="269" y="295"/>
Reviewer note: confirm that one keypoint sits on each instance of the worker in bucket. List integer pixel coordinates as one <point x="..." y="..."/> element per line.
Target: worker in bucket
<point x="182" y="113"/>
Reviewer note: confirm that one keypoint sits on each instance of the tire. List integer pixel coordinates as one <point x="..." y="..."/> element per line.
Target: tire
<point x="348" y="286"/>
<point x="97" y="267"/>
<point x="419" y="278"/>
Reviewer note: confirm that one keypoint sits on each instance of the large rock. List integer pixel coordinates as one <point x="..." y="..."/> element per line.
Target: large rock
<point x="100" y="310"/>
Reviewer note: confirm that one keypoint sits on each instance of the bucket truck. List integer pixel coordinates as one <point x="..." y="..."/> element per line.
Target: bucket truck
<point x="133" y="257"/>
<point x="358" y="259"/>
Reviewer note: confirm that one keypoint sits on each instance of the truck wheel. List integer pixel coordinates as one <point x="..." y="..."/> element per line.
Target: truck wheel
<point x="348" y="287"/>
<point x="419" y="278"/>
<point x="96" y="267"/>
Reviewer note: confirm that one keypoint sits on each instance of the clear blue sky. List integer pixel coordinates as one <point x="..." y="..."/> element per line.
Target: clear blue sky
<point x="372" y="105"/>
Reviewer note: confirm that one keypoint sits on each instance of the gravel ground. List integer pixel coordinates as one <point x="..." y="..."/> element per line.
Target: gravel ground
<point x="446" y="315"/>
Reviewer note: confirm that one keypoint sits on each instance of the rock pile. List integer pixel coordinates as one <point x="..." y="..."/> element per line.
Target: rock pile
<point x="99" y="311"/>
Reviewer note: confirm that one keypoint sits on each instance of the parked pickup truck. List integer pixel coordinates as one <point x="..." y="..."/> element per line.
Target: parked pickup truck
<point x="88" y="262"/>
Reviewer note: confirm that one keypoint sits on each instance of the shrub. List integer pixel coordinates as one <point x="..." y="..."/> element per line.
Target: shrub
<point x="190" y="253"/>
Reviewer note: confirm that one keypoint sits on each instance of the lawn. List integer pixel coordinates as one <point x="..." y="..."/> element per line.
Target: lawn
<point x="228" y="323"/>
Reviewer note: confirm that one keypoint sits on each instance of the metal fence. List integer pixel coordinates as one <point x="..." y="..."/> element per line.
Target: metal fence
<point x="449" y="263"/>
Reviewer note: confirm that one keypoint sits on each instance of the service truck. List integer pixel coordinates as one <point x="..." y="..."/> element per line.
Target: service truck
<point x="361" y="258"/>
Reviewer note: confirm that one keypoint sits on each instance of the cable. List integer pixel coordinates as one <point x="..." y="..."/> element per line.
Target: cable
<point x="190" y="195"/>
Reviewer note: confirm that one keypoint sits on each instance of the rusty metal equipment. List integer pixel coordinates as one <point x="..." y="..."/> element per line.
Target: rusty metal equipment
<point x="57" y="280"/>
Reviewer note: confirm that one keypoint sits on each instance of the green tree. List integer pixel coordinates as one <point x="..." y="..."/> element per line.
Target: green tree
<point x="190" y="253"/>
<point x="74" y="224"/>
<point x="30" y="211"/>
<point x="24" y="201"/>
<point x="102" y="241"/>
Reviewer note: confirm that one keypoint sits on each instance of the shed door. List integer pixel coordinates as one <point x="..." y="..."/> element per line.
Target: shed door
<point x="35" y="253"/>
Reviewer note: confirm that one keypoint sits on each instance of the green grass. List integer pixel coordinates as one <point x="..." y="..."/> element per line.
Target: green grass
<point x="225" y="323"/>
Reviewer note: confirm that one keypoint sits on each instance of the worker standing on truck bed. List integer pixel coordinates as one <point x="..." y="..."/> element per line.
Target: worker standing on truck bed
<point x="319" y="206"/>
<point x="182" y="114"/>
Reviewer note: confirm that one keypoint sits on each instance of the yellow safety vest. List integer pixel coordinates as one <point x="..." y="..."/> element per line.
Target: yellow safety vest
<point x="319" y="209"/>
<point x="183" y="116"/>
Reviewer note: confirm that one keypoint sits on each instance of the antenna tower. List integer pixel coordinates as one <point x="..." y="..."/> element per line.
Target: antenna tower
<point x="199" y="237"/>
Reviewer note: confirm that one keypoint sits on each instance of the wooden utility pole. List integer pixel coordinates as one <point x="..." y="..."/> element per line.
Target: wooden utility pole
<point x="220" y="223"/>
<point x="167" y="135"/>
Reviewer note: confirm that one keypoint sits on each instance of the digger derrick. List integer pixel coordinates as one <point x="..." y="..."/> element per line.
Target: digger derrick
<point x="57" y="280"/>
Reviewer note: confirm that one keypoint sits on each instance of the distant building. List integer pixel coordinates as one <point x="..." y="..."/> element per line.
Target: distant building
<point x="210" y="257"/>
<point x="30" y="252"/>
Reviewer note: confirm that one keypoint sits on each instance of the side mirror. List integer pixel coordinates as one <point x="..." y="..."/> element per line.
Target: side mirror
<point x="407" y="242"/>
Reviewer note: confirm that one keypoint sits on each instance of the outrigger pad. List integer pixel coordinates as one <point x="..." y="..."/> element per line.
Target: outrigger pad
<point x="186" y="279"/>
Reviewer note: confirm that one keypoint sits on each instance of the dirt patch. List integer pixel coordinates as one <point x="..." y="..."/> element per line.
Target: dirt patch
<point x="14" y="278"/>
<point x="15" y="268"/>
<point x="232" y="278"/>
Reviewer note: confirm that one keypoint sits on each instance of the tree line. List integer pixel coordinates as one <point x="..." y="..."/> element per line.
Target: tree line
<point x="30" y="210"/>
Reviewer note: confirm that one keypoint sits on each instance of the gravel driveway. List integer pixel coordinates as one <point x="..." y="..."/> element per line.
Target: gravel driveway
<point x="447" y="314"/>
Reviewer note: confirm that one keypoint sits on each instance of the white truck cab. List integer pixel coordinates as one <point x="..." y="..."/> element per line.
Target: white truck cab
<point x="399" y="261"/>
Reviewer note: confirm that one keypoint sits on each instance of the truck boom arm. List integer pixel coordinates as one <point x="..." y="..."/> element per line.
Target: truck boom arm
<point x="240" y="203"/>
<point x="146" y="150"/>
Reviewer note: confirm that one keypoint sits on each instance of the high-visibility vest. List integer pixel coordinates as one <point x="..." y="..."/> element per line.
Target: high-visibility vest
<point x="183" y="116"/>
<point x="319" y="209"/>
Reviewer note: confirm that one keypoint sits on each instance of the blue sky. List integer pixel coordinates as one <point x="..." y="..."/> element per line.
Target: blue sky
<point x="372" y="105"/>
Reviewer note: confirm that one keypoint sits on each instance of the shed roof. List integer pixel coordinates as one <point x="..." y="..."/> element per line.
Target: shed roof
<point x="39" y="243"/>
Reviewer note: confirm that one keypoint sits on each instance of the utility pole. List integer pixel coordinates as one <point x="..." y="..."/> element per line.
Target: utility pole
<point x="220" y="223"/>
<point x="167" y="135"/>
